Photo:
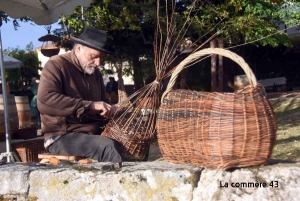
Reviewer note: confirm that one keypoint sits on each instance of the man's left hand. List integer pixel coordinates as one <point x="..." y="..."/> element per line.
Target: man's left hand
<point x="111" y="112"/>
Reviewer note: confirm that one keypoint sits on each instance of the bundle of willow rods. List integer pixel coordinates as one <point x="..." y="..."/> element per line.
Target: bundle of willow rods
<point x="134" y="124"/>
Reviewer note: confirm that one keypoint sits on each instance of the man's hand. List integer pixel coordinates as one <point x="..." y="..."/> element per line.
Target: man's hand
<point x="112" y="111"/>
<point x="104" y="109"/>
<point x="100" y="107"/>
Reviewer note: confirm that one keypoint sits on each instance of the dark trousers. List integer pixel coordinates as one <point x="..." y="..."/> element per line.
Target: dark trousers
<point x="91" y="146"/>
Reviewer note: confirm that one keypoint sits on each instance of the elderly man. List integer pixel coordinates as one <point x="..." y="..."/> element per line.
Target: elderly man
<point x="71" y="97"/>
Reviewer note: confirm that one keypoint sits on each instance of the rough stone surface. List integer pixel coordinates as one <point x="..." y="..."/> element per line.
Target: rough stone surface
<point x="14" y="179"/>
<point x="143" y="181"/>
<point x="136" y="181"/>
<point x="281" y="183"/>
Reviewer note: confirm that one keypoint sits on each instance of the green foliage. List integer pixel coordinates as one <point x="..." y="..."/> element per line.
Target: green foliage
<point x="246" y="21"/>
<point x="289" y="12"/>
<point x="4" y="17"/>
<point x="20" y="79"/>
<point x="131" y="24"/>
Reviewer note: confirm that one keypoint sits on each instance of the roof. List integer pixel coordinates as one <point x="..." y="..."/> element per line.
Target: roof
<point x="10" y="62"/>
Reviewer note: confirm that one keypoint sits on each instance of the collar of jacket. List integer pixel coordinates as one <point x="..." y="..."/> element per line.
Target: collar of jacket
<point x="75" y="60"/>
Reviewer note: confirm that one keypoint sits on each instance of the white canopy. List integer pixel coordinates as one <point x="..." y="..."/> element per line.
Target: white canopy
<point x="11" y="63"/>
<point x="42" y="12"/>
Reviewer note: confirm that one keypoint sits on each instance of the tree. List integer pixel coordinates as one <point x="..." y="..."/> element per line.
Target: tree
<point x="131" y="24"/>
<point x="4" y="18"/>
<point x="130" y="29"/>
<point x="248" y="22"/>
<point x="20" y="79"/>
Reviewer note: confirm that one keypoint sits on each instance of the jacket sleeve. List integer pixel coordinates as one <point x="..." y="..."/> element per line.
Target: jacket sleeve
<point x="50" y="97"/>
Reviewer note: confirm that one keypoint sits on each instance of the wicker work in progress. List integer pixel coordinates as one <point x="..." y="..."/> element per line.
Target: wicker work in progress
<point x="216" y="130"/>
<point x="130" y="127"/>
<point x="133" y="147"/>
<point x="134" y="127"/>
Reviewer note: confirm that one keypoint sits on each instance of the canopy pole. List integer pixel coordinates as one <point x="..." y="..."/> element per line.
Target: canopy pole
<point x="9" y="155"/>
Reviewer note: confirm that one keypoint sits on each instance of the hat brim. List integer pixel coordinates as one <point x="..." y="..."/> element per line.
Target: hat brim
<point x="82" y="42"/>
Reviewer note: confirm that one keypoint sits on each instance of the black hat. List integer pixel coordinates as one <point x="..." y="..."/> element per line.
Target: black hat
<point x="93" y="38"/>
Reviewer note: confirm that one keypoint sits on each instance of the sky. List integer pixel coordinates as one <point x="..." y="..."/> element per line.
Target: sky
<point x="26" y="33"/>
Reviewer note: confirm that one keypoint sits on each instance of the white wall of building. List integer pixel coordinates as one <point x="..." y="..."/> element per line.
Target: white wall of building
<point x="128" y="80"/>
<point x="43" y="59"/>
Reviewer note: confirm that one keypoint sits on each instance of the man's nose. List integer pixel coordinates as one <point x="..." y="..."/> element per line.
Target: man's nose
<point x="97" y="61"/>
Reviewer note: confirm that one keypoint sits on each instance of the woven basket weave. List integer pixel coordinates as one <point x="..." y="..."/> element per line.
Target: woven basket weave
<point x="28" y="151"/>
<point x="132" y="147"/>
<point x="216" y="130"/>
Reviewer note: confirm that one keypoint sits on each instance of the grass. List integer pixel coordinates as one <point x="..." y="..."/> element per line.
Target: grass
<point x="287" y="112"/>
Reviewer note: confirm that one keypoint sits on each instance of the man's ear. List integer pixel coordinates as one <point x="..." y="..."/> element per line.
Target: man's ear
<point x="79" y="48"/>
<point x="76" y="48"/>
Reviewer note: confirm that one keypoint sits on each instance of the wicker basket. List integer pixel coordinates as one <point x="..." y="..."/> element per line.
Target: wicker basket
<point x="133" y="148"/>
<point x="28" y="151"/>
<point x="216" y="130"/>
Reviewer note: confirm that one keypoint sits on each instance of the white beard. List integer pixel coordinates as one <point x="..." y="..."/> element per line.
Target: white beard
<point x="89" y="71"/>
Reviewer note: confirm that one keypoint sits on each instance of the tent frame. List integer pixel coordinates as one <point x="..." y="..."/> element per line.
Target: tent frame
<point x="11" y="156"/>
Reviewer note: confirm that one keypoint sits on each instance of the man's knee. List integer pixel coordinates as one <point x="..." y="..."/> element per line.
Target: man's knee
<point x="108" y="150"/>
<point x="109" y="143"/>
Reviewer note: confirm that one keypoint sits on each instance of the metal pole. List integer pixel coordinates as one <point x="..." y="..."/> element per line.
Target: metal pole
<point x="82" y="14"/>
<point x="8" y="154"/>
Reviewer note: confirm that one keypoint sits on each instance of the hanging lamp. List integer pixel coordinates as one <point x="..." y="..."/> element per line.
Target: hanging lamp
<point x="48" y="48"/>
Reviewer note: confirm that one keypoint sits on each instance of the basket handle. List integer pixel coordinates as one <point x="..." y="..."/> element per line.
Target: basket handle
<point x="201" y="53"/>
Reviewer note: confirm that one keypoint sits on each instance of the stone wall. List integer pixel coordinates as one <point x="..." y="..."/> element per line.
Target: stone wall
<point x="143" y="181"/>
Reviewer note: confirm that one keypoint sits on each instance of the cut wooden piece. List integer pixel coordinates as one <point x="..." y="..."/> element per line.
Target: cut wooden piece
<point x="54" y="160"/>
<point x="85" y="161"/>
<point x="60" y="157"/>
<point x="45" y="158"/>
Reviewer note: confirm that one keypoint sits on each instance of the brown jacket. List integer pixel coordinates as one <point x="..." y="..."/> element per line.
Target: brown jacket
<point x="64" y="94"/>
